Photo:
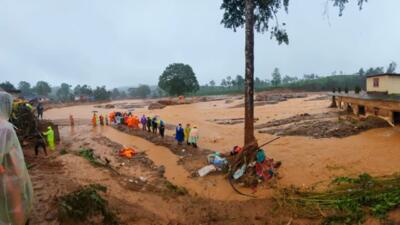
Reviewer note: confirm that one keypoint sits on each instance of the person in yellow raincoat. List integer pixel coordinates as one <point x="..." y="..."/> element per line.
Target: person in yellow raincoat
<point x="16" y="192"/>
<point x="187" y="133"/>
<point x="50" y="138"/>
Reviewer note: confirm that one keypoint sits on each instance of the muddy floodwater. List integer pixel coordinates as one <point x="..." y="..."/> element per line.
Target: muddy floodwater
<point x="305" y="161"/>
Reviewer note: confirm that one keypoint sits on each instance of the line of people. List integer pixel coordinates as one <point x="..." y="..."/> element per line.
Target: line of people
<point x="188" y="134"/>
<point x="155" y="125"/>
<point x="150" y="124"/>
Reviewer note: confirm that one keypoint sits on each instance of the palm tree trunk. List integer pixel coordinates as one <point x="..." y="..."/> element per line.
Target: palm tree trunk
<point x="249" y="138"/>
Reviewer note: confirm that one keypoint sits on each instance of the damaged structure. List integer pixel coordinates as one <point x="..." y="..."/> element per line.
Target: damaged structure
<point x="381" y="99"/>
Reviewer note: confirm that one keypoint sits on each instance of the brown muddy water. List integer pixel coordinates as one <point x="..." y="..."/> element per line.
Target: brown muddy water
<point x="306" y="161"/>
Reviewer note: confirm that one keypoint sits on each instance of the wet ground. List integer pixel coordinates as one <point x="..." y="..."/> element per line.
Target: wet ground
<point x="140" y="186"/>
<point x="306" y="161"/>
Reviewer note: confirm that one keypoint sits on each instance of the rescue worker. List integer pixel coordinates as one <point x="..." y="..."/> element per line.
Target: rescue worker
<point x="194" y="136"/>
<point x="162" y="128"/>
<point x="40" y="143"/>
<point x="16" y="189"/>
<point x="154" y="125"/>
<point x="187" y="133"/>
<point x="50" y="138"/>
<point x="130" y="122"/>
<point x="101" y="119"/>
<point x="143" y="121"/>
<point x="94" y="120"/>
<point x="71" y="120"/>
<point x="179" y="135"/>
<point x="40" y="109"/>
<point x="149" y="124"/>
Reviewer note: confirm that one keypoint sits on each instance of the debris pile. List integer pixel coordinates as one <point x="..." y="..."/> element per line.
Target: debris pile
<point x="26" y="123"/>
<point x="86" y="205"/>
<point x="278" y="97"/>
<point x="230" y="121"/>
<point x="323" y="125"/>
<point x="156" y="105"/>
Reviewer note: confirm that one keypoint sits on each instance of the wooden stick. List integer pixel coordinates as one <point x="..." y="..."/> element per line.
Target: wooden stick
<point x="269" y="142"/>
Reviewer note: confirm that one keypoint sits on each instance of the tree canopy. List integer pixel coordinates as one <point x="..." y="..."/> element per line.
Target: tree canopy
<point x="143" y="91"/>
<point x="100" y="93"/>
<point x="178" y="79"/>
<point x="276" y="77"/>
<point x="25" y="88"/>
<point x="7" y="86"/>
<point x="42" y="88"/>
<point x="64" y="93"/>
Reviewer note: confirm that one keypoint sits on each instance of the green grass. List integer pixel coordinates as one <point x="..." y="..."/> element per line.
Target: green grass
<point x="350" y="201"/>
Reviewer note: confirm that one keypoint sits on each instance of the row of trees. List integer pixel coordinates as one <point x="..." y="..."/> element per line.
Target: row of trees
<point x="309" y="82"/>
<point x="65" y="92"/>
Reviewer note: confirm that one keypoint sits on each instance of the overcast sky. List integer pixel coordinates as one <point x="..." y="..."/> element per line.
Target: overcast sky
<point x="130" y="42"/>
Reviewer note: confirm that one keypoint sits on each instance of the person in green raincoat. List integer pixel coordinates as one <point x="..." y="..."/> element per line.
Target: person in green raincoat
<point x="50" y="138"/>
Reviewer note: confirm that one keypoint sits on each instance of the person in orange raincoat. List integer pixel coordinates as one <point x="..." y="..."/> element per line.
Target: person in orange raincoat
<point x="94" y="120"/>
<point x="136" y="122"/>
<point x="130" y="122"/>
<point x="112" y="117"/>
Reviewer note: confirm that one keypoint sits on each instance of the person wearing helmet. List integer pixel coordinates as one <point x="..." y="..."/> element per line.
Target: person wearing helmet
<point x="16" y="192"/>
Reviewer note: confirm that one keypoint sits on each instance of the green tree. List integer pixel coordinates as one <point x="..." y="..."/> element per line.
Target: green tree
<point x="212" y="83"/>
<point x="178" y="79"/>
<point x="256" y="15"/>
<point x="143" y="91"/>
<point x="239" y="81"/>
<point x="228" y="81"/>
<point x="361" y="72"/>
<point x="64" y="93"/>
<point x="276" y="77"/>
<point x="224" y="83"/>
<point x="357" y="90"/>
<point x="392" y="67"/>
<point x="100" y="93"/>
<point x="25" y="88"/>
<point x="115" y="94"/>
<point x="84" y="90"/>
<point x="373" y="71"/>
<point x="7" y="86"/>
<point x="42" y="88"/>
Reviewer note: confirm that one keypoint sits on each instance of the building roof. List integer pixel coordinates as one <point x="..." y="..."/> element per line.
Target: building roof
<point x="384" y="74"/>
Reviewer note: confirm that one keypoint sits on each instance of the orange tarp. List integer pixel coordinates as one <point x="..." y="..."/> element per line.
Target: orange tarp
<point x="127" y="152"/>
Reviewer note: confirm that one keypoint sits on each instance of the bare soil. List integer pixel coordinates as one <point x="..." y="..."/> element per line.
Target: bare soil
<point x="323" y="125"/>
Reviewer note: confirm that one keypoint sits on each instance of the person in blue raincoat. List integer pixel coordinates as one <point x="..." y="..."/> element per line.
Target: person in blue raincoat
<point x="179" y="135"/>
